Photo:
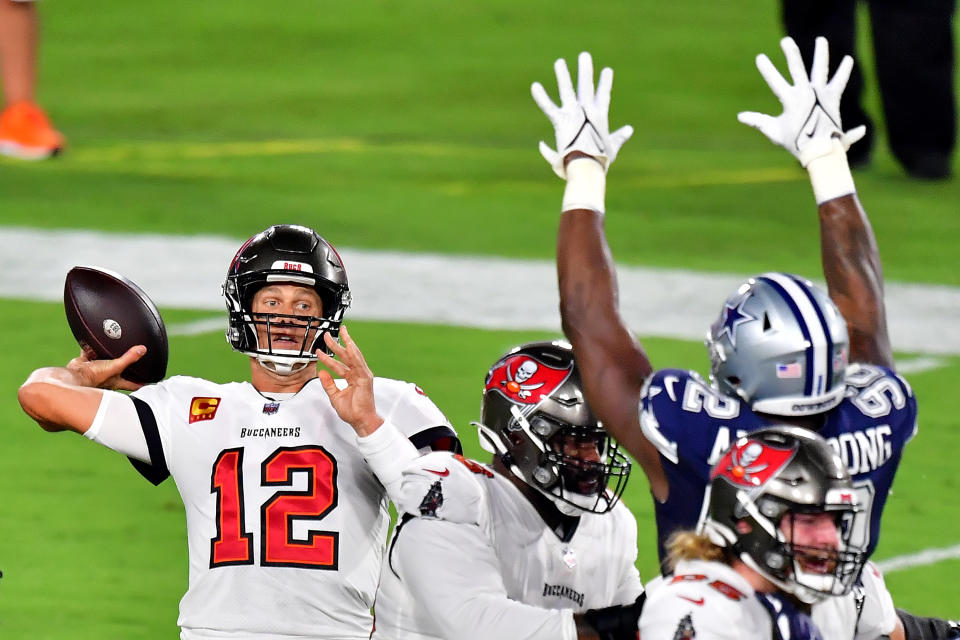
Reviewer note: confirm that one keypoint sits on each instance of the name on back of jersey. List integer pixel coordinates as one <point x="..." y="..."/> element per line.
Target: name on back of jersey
<point x="872" y="395"/>
<point x="861" y="451"/>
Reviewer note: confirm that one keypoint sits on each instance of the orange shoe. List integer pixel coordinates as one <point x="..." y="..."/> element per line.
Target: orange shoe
<point x="26" y="133"/>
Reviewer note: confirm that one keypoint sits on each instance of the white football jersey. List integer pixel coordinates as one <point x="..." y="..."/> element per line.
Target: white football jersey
<point x="286" y="523"/>
<point x="865" y="614"/>
<point x="510" y="576"/>
<point x="713" y="600"/>
<point x="704" y="600"/>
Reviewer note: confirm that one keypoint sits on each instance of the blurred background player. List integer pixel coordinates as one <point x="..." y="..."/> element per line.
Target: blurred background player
<point x="285" y="478"/>
<point x="515" y="549"/>
<point x="780" y="349"/>
<point x="776" y="538"/>
<point x="25" y="130"/>
<point x="914" y="56"/>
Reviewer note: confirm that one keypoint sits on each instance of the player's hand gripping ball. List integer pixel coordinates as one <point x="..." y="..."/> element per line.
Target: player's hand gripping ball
<point x="108" y="314"/>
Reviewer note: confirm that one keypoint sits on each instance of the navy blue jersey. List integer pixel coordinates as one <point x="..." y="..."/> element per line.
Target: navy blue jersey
<point x="790" y="623"/>
<point x="691" y="424"/>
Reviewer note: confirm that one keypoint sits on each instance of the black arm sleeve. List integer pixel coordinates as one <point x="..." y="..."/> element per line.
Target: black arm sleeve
<point x="618" y="622"/>
<point x="441" y="438"/>
<point x="917" y="628"/>
<point x="156" y="472"/>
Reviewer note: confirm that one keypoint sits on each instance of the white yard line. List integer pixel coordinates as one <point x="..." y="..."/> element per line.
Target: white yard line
<point x="919" y="365"/>
<point x="469" y="291"/>
<point x="919" y="559"/>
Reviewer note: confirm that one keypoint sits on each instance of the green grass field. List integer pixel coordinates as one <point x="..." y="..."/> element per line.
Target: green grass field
<point x="406" y="126"/>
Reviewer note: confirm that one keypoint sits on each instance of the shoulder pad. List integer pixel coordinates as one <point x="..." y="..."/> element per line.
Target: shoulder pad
<point x="445" y="486"/>
<point x="695" y="609"/>
<point x="878" y="616"/>
<point x="408" y="407"/>
<point x="670" y="381"/>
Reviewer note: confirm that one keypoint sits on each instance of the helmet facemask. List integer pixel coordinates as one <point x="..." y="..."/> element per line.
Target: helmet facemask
<point x="305" y="337"/>
<point x="573" y="466"/>
<point x="810" y="572"/>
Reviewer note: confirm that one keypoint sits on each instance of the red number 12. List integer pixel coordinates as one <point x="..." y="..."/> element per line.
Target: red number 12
<point x="278" y="548"/>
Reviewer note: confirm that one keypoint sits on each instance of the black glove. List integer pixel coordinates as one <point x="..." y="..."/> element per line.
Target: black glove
<point x="618" y="622"/>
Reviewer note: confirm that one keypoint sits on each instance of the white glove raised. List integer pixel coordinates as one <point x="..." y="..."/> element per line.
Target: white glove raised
<point x="444" y="486"/>
<point x="810" y="121"/>
<point x="580" y="121"/>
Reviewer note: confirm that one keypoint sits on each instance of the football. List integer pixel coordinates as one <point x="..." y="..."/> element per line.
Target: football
<point x="108" y="314"/>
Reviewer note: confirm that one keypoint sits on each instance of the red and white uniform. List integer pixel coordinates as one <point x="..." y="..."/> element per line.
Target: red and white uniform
<point x="869" y="608"/>
<point x="286" y="523"/>
<point x="493" y="569"/>
<point x="710" y="600"/>
<point x="704" y="600"/>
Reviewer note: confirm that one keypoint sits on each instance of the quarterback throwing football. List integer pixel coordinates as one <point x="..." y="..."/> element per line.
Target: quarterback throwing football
<point x="284" y="478"/>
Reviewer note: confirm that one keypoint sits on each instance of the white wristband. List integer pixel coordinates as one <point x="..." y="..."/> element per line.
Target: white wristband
<point x="586" y="185"/>
<point x="830" y="175"/>
<point x="388" y="452"/>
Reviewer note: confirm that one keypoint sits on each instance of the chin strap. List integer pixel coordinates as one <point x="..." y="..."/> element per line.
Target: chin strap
<point x="283" y="365"/>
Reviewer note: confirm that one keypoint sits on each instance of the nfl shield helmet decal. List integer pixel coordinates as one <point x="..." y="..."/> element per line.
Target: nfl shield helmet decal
<point x="524" y="380"/>
<point x="750" y="463"/>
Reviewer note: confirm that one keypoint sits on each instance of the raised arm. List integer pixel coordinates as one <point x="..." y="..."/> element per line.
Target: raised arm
<point x="810" y="129"/>
<point x="851" y="265"/>
<point x="612" y="362"/>
<point x="67" y="398"/>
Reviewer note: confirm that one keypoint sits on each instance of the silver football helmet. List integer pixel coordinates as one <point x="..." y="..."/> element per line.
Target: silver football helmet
<point x="781" y="345"/>
<point x="533" y="410"/>
<point x="769" y="474"/>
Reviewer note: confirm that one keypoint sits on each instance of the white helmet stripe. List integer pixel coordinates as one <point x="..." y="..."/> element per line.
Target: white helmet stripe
<point x="812" y="325"/>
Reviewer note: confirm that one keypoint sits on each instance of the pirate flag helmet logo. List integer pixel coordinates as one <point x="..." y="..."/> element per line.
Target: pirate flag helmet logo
<point x="750" y="463"/>
<point x="525" y="380"/>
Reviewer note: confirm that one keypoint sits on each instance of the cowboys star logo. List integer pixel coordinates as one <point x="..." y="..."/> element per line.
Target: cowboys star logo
<point x="732" y="317"/>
